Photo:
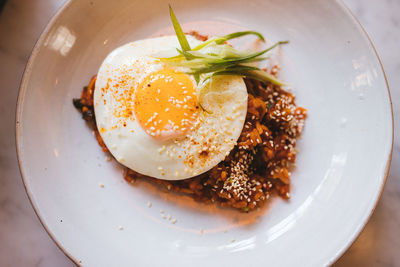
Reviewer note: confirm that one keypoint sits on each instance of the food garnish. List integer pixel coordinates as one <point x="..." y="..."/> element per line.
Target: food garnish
<point x="215" y="57"/>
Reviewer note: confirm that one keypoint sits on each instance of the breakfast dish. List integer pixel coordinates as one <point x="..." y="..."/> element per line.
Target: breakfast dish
<point x="197" y="116"/>
<point x="79" y="193"/>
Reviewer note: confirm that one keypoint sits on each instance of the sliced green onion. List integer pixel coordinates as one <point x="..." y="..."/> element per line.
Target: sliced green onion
<point x="259" y="75"/>
<point x="178" y="30"/>
<point x="214" y="57"/>
<point x="221" y="40"/>
<point x="263" y="76"/>
<point x="196" y="77"/>
<point x="250" y="55"/>
<point x="230" y="67"/>
<point x="240" y="34"/>
<point x="187" y="55"/>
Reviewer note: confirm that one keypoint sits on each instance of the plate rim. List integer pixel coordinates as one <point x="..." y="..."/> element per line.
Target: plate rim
<point x="19" y="108"/>
<point x="23" y="85"/>
<point x="366" y="219"/>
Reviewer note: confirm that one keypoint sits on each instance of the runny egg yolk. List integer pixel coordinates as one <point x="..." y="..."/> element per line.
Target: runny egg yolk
<point x="165" y="104"/>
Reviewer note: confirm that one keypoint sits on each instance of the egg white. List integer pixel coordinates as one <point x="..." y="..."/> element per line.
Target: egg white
<point x="216" y="130"/>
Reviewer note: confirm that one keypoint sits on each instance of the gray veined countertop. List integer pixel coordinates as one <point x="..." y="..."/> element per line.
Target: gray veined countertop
<point x="24" y="242"/>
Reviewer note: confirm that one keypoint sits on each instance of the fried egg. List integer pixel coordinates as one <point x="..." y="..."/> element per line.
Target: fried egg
<point x="148" y="113"/>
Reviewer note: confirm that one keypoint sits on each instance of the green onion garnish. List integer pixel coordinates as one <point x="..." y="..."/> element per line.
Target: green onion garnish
<point x="215" y="57"/>
<point x="178" y="30"/>
<point x="221" y="40"/>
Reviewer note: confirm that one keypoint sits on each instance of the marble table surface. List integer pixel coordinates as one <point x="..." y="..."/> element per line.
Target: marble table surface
<point x="24" y="242"/>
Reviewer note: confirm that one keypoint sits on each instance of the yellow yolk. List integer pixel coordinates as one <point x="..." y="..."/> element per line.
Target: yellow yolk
<point x="165" y="104"/>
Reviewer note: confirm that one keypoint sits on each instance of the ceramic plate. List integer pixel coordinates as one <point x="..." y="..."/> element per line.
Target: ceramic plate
<point x="341" y="168"/>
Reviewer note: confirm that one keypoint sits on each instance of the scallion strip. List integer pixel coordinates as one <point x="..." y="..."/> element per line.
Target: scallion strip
<point x="178" y="30"/>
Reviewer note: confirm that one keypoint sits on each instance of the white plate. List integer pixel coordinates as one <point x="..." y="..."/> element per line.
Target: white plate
<point x="342" y="165"/>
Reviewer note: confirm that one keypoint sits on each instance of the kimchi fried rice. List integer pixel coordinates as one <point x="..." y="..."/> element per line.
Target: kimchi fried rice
<point x="259" y="164"/>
